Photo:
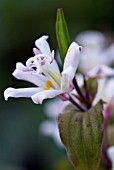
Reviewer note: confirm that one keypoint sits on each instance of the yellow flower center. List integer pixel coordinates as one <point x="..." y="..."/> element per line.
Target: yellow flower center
<point x="48" y="85"/>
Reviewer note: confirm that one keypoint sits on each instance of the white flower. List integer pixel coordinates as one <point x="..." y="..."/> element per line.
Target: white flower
<point x="105" y="79"/>
<point x="95" y="59"/>
<point x="42" y="70"/>
<point x="95" y="50"/>
<point x="110" y="152"/>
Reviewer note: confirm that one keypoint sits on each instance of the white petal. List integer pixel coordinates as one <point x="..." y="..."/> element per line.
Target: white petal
<point x="80" y="79"/>
<point x="53" y="75"/>
<point x="108" y="55"/>
<point x="23" y="73"/>
<point x="93" y="43"/>
<point x="55" y="67"/>
<point x="110" y="152"/>
<point x="72" y="56"/>
<point x="100" y="92"/>
<point x="91" y="37"/>
<point x="47" y="127"/>
<point x="39" y="97"/>
<point x="54" y="63"/>
<point x="90" y="53"/>
<point x="66" y="79"/>
<point x="100" y="71"/>
<point x="21" y="92"/>
<point x="109" y="89"/>
<point x="54" y="107"/>
<point x="50" y="128"/>
<point x="43" y="45"/>
<point x="36" y="51"/>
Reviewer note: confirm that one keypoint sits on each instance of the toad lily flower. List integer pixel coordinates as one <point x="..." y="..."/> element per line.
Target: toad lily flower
<point x="95" y="49"/>
<point x="42" y="70"/>
<point x="105" y="79"/>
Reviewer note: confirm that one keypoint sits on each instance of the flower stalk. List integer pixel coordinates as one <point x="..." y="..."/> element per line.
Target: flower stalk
<point x="76" y="104"/>
<point x="84" y="98"/>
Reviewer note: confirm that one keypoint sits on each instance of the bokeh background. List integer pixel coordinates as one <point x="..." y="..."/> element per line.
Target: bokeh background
<point x="22" y="146"/>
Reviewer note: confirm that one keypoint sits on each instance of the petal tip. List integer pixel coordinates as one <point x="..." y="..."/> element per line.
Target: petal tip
<point x="44" y="37"/>
<point x="7" y="93"/>
<point x="35" y="101"/>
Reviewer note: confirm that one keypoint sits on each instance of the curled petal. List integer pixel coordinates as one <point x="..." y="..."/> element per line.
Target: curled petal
<point x="100" y="71"/>
<point x="72" y="56"/>
<point x="43" y="45"/>
<point x="36" y="51"/>
<point x="23" y="73"/>
<point x="66" y="79"/>
<point x="22" y="92"/>
<point x="39" y="97"/>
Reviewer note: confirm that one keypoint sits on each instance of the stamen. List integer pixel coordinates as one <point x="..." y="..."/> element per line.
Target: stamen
<point x="36" y="51"/>
<point x="80" y="48"/>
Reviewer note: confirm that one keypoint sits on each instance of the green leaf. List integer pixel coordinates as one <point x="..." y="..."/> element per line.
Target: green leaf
<point x="82" y="133"/>
<point x="62" y="34"/>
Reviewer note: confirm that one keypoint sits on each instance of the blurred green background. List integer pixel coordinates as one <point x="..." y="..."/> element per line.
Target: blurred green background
<point x="22" y="147"/>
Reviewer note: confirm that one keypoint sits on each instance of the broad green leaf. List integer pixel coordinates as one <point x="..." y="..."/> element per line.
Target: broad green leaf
<point x="62" y="34"/>
<point x="82" y="133"/>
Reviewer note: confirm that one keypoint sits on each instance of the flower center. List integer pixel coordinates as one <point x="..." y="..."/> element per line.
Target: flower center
<point x="37" y="62"/>
<point x="43" y="64"/>
<point x="48" y="85"/>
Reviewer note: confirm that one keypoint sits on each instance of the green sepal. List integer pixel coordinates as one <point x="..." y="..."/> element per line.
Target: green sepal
<point x="82" y="133"/>
<point x="91" y="89"/>
<point x="62" y="34"/>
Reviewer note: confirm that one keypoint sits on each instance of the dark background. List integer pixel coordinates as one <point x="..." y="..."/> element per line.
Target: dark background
<point x="22" y="147"/>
